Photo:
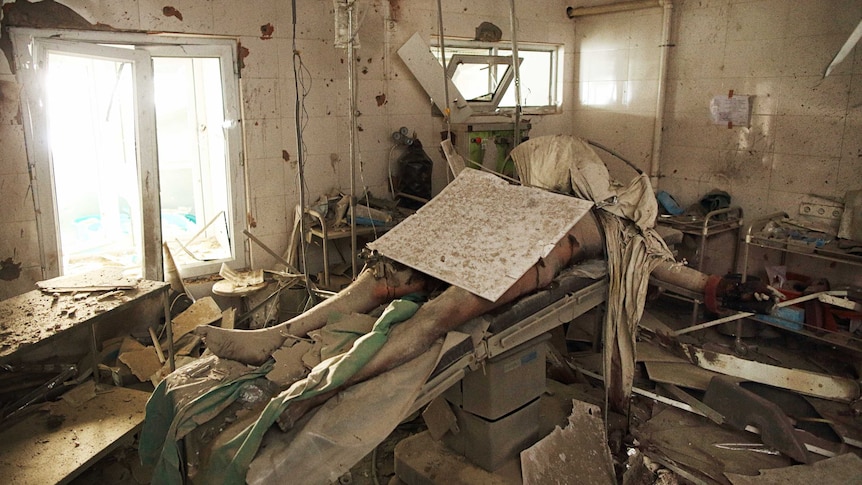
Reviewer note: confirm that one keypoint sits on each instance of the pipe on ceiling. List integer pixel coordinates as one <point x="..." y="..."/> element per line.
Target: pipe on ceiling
<point x="573" y="12"/>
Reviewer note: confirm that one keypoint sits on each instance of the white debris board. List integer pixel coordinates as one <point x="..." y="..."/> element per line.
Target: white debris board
<point x="482" y="234"/>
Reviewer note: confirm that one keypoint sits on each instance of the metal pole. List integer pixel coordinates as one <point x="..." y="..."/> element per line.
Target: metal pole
<point x="351" y="87"/>
<point x="513" y="23"/>
<point x="446" y="112"/>
<point x="661" y="90"/>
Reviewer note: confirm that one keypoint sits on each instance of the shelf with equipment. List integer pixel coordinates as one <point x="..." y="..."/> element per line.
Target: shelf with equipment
<point x="754" y="236"/>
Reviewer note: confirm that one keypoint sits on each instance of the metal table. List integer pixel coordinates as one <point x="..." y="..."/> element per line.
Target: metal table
<point x="713" y="223"/>
<point x="33" y="450"/>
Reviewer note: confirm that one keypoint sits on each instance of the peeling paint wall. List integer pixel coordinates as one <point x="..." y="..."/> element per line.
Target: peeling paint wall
<point x="388" y="98"/>
<point x="806" y="132"/>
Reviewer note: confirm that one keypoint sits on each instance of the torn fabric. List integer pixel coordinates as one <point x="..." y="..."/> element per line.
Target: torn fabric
<point x="230" y="462"/>
<point x="188" y="397"/>
<point x="567" y="164"/>
<point x="333" y="440"/>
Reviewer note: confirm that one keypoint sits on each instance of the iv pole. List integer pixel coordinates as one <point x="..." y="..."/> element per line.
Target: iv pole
<point x="513" y="22"/>
<point x="351" y="89"/>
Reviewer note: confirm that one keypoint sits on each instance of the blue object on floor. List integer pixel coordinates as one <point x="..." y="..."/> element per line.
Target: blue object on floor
<point x="669" y="203"/>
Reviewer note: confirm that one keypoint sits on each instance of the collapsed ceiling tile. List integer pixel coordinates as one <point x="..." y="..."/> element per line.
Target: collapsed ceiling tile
<point x="482" y="234"/>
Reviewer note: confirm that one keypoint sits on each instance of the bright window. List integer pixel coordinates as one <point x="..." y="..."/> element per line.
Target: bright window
<point x="483" y="73"/>
<point x="134" y="142"/>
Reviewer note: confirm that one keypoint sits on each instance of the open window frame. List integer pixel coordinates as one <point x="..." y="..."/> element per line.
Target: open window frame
<point x="495" y="55"/>
<point x="31" y="47"/>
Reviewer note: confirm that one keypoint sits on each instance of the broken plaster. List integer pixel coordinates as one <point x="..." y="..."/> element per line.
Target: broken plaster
<point x="169" y="11"/>
<point x="266" y="31"/>
<point x="9" y="270"/>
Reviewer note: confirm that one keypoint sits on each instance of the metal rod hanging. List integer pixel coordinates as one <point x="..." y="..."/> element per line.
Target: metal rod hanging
<point x="513" y="22"/>
<point x="351" y="87"/>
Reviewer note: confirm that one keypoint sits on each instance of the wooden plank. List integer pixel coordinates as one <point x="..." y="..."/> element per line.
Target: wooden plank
<point x="482" y="234"/>
<point x="801" y="381"/>
<point x="679" y="374"/>
<point x="650" y="352"/>
<point x="202" y="312"/>
<point x="54" y="448"/>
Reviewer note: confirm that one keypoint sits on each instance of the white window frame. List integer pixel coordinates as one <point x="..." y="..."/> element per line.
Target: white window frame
<point x="28" y="46"/>
<point x="492" y="49"/>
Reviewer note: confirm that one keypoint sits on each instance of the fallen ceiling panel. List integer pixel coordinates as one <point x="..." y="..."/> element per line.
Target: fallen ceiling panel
<point x="482" y="234"/>
<point x="577" y="454"/>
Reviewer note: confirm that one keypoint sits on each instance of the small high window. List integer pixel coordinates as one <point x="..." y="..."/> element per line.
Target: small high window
<point x="484" y="74"/>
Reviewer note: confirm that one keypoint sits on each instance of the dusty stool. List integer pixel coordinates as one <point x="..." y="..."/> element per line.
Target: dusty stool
<point x="238" y="285"/>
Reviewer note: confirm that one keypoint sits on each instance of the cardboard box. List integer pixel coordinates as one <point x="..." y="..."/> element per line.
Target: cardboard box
<point x="492" y="444"/>
<point x="504" y="383"/>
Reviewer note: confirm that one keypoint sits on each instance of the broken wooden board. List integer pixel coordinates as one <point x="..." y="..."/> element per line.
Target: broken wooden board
<point x="682" y="374"/>
<point x="44" y="449"/>
<point x="482" y="234"/>
<point x="202" y="312"/>
<point x="577" y="454"/>
<point x="142" y="362"/>
<point x="840" y="470"/>
<point x="650" y="352"/>
<point x="439" y="418"/>
<point x="654" y="324"/>
<point x="804" y="382"/>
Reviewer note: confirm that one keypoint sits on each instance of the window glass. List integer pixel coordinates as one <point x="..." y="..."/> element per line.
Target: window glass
<point x="130" y="138"/>
<point x="192" y="165"/>
<point x="91" y="106"/>
<point x="478" y="72"/>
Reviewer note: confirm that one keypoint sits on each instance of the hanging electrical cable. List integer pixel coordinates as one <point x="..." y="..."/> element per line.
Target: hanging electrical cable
<point x="351" y="88"/>
<point x="300" y="91"/>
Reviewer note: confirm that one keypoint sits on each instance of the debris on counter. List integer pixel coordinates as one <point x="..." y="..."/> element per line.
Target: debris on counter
<point x="106" y="279"/>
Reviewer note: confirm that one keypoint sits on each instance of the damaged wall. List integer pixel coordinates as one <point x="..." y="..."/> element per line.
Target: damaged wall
<point x="804" y="136"/>
<point x="806" y="132"/>
<point x="388" y="98"/>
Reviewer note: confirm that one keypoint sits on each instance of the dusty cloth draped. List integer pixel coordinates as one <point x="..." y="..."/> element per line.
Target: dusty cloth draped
<point x="627" y="214"/>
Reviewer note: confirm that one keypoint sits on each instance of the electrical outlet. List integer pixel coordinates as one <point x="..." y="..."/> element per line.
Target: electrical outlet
<point x="830" y="212"/>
